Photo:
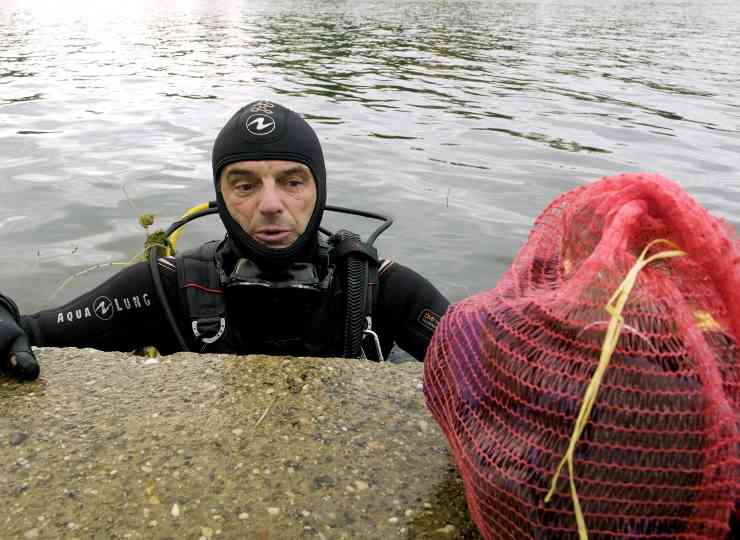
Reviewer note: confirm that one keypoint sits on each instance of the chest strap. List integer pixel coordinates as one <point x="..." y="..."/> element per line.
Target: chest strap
<point x="201" y="293"/>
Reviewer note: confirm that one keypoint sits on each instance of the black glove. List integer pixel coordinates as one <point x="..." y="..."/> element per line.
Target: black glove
<point x="16" y="357"/>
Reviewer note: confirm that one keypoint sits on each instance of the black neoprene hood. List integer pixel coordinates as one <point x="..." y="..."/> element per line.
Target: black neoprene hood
<point x="264" y="130"/>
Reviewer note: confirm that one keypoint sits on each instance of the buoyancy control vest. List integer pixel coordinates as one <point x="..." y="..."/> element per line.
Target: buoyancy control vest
<point x="285" y="320"/>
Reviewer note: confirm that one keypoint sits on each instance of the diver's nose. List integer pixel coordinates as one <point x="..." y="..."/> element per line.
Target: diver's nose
<point x="271" y="201"/>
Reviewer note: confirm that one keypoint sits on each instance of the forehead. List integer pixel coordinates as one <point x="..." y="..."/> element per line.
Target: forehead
<point x="269" y="167"/>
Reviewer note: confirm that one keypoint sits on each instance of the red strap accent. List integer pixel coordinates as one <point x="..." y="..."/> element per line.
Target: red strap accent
<point x="202" y="288"/>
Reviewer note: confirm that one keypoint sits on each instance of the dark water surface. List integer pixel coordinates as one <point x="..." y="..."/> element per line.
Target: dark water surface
<point x="461" y="119"/>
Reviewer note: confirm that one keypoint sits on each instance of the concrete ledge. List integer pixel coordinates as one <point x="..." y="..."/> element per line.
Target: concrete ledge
<point x="110" y="445"/>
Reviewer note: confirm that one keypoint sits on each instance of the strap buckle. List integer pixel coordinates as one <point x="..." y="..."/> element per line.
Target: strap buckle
<point x="210" y="324"/>
<point x="368" y="331"/>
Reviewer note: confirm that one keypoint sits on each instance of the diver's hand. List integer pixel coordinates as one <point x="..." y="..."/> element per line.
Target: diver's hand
<point x="16" y="357"/>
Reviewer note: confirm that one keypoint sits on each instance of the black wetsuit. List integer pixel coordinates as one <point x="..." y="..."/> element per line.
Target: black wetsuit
<point x="124" y="313"/>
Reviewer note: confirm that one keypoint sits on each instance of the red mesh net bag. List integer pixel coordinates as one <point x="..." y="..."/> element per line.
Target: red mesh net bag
<point x="507" y="370"/>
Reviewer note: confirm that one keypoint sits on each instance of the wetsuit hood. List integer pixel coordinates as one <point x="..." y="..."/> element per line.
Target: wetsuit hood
<point x="264" y="130"/>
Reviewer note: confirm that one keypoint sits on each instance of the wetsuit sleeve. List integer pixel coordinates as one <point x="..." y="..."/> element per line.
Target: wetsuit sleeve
<point x="407" y="311"/>
<point x="122" y="314"/>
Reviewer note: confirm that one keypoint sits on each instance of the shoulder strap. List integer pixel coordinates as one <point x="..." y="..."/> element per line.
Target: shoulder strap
<point x="201" y="293"/>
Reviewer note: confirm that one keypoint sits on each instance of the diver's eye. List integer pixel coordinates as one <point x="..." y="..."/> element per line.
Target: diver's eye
<point x="244" y="187"/>
<point x="295" y="183"/>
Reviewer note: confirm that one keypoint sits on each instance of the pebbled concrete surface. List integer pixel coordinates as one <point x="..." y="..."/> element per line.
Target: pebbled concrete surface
<point x="110" y="445"/>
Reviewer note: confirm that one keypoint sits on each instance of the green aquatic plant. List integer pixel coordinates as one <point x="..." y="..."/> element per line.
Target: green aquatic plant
<point x="155" y="238"/>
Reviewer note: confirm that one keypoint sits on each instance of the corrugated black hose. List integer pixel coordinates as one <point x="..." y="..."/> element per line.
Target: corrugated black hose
<point x="356" y="286"/>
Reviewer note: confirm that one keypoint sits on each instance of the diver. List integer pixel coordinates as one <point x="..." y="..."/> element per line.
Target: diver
<point x="278" y="283"/>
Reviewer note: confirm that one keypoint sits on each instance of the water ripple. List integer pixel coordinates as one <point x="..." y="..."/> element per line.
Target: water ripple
<point x="477" y="113"/>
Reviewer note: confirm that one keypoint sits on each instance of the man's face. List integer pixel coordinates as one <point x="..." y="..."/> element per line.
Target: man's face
<point x="271" y="200"/>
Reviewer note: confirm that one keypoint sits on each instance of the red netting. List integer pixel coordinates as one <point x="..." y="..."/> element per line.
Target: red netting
<point x="507" y="369"/>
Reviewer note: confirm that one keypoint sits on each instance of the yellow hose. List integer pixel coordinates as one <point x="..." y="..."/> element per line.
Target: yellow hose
<point x="175" y="235"/>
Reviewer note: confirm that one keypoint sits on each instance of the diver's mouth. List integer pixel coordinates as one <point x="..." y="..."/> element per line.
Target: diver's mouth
<point x="273" y="236"/>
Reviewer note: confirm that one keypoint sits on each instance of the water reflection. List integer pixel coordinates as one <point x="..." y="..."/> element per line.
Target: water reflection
<point x="462" y="119"/>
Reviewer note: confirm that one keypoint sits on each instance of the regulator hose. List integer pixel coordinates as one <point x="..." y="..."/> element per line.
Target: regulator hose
<point x="154" y="269"/>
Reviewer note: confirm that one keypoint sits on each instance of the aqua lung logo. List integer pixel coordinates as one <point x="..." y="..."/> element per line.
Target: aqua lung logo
<point x="105" y="308"/>
<point x="260" y="124"/>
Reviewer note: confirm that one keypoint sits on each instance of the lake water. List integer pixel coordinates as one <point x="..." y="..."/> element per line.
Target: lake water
<point x="461" y="119"/>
